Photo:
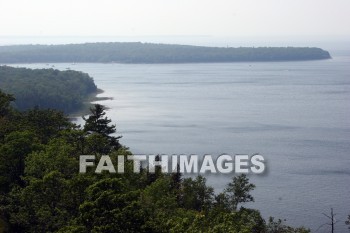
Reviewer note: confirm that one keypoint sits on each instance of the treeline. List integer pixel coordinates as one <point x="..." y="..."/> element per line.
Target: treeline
<point x="152" y="53"/>
<point x="41" y="189"/>
<point x="46" y="88"/>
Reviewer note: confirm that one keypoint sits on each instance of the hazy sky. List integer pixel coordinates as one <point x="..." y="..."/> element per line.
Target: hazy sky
<point x="242" y="18"/>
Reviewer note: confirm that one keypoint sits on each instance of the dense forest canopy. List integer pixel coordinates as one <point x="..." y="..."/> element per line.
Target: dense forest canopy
<point x="46" y="88"/>
<point x="135" y="52"/>
<point x="42" y="191"/>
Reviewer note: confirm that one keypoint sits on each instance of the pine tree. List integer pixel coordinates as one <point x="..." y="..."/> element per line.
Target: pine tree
<point x="98" y="124"/>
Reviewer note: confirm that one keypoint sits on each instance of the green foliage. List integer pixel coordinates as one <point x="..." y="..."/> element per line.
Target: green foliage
<point x="45" y="88"/>
<point x="13" y="152"/>
<point x="152" y="53"/>
<point x="46" y="123"/>
<point x="196" y="194"/>
<point x="41" y="206"/>
<point x="109" y="207"/>
<point x="238" y="191"/>
<point x="55" y="156"/>
<point x="99" y="128"/>
<point x="278" y="227"/>
<point x="42" y="191"/>
<point x="6" y="114"/>
<point x="244" y="220"/>
<point x="97" y="122"/>
<point x="5" y="101"/>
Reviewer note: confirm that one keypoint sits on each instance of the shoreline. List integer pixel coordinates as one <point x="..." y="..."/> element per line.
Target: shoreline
<point x="157" y="53"/>
<point x="87" y="104"/>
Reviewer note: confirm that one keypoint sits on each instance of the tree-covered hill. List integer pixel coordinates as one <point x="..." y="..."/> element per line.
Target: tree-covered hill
<point x="41" y="189"/>
<point x="152" y="53"/>
<point x="46" y="88"/>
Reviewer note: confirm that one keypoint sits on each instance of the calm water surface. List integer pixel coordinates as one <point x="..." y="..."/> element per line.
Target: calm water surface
<point x="296" y="114"/>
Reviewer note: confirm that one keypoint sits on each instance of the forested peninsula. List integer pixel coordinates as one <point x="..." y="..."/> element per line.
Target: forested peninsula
<point x="136" y="52"/>
<point x="47" y="88"/>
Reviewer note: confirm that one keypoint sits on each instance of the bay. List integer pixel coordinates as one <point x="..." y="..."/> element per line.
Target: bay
<point x="295" y="114"/>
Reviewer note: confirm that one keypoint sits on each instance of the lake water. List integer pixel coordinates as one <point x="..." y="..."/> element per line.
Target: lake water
<point x="295" y="114"/>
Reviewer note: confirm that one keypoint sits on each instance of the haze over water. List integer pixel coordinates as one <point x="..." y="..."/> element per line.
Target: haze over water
<point x="295" y="114"/>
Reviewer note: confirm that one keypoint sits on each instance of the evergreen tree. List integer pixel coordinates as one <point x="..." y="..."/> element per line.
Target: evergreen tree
<point x="97" y="123"/>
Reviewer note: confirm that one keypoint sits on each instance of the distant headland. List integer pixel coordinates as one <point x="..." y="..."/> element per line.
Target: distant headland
<point x="138" y="53"/>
